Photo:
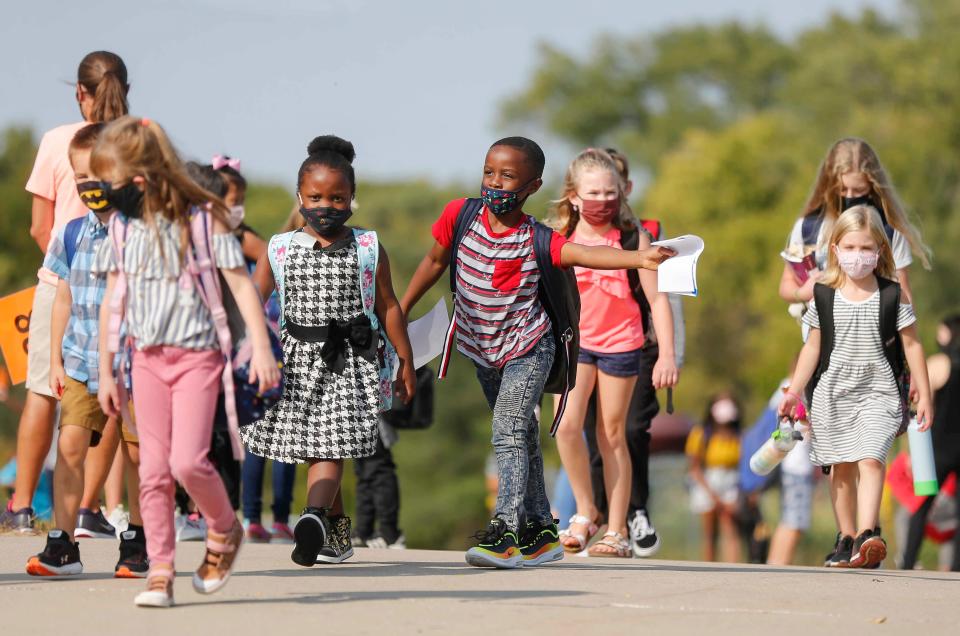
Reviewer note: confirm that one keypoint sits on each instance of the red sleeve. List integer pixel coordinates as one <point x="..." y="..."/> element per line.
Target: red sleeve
<point x="557" y="241"/>
<point x="444" y="226"/>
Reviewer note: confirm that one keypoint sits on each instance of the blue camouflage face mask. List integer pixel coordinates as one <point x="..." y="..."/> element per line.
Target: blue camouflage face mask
<point x="501" y="202"/>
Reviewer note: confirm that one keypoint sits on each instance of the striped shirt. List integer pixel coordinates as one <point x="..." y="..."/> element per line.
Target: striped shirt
<point x="80" y="339"/>
<point x="160" y="310"/>
<point x="498" y="313"/>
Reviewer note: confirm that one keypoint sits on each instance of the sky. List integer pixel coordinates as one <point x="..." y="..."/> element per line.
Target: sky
<point x="416" y="85"/>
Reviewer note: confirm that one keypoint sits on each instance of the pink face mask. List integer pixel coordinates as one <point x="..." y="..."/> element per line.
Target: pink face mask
<point x="856" y="264"/>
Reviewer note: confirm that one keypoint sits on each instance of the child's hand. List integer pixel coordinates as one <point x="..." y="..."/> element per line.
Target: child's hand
<point x="924" y="414"/>
<point x="665" y="373"/>
<point x="264" y="368"/>
<point x="58" y="380"/>
<point x="789" y="404"/>
<point x="406" y="385"/>
<point x="108" y="396"/>
<point x="651" y="257"/>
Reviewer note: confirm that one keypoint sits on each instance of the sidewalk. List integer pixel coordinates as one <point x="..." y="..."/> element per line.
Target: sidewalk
<point x="426" y="592"/>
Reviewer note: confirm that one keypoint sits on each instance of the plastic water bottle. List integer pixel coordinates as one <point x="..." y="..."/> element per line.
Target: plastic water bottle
<point x="776" y="448"/>
<point x="921" y="459"/>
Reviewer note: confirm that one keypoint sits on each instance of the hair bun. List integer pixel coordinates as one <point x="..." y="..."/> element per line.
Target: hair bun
<point x="334" y="144"/>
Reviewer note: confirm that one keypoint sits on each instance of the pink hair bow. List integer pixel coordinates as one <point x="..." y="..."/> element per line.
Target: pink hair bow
<point x="222" y="161"/>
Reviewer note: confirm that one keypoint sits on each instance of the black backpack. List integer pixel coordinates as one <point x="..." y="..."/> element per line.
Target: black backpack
<point x="823" y="297"/>
<point x="558" y="293"/>
<point x="630" y="240"/>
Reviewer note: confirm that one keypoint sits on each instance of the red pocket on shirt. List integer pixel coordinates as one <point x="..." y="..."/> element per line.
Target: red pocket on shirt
<point x="506" y="274"/>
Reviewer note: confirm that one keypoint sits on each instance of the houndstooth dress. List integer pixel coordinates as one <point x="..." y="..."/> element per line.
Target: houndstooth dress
<point x="321" y="415"/>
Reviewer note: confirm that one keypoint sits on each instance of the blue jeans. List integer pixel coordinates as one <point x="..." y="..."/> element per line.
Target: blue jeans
<point x="283" y="477"/>
<point x="513" y="393"/>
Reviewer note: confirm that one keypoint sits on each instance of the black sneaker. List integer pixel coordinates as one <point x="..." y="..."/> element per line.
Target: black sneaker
<point x="540" y="543"/>
<point x="840" y="557"/>
<point x="496" y="547"/>
<point x="93" y="525"/>
<point x="133" y="563"/>
<point x="338" y="547"/>
<point x="869" y="550"/>
<point x="60" y="557"/>
<point x="20" y="521"/>
<point x="310" y="534"/>
<point x="643" y="536"/>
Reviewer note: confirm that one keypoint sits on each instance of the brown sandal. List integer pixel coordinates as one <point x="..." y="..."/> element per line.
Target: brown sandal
<point x="218" y="562"/>
<point x="159" y="592"/>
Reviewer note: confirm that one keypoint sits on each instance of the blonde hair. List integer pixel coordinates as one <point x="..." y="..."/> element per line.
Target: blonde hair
<point x="855" y="155"/>
<point x="565" y="216"/>
<point x="859" y="218"/>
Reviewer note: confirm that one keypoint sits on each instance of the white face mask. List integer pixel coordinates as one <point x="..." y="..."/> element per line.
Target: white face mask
<point x="724" y="411"/>
<point x="235" y="218"/>
<point x="856" y="264"/>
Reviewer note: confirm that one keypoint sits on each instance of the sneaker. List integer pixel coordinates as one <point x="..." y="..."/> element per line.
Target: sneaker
<point x="643" y="536"/>
<point x="255" y="532"/>
<point x="840" y="557"/>
<point x="60" y="557"/>
<point x="21" y="521"/>
<point x="379" y="542"/>
<point x="540" y="543"/>
<point x="338" y="547"/>
<point x="281" y="533"/>
<point x="218" y="562"/>
<point x="159" y="592"/>
<point x="133" y="563"/>
<point x="119" y="519"/>
<point x="310" y="534"/>
<point x="869" y="550"/>
<point x="358" y="541"/>
<point x="93" y="525"/>
<point x="496" y="547"/>
<point x="194" y="528"/>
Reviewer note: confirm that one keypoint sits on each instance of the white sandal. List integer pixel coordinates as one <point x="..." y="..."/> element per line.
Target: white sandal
<point x="582" y="538"/>
<point x="616" y="542"/>
<point x="159" y="592"/>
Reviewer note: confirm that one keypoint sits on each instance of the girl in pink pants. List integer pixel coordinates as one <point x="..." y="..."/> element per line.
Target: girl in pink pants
<point x="177" y="362"/>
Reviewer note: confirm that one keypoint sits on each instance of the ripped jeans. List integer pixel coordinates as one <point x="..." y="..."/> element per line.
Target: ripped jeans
<point x="513" y="393"/>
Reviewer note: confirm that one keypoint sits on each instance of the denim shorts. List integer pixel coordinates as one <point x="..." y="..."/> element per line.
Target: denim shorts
<point x="621" y="365"/>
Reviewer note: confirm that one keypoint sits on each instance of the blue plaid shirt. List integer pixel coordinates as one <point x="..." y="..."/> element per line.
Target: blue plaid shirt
<point x="81" y="356"/>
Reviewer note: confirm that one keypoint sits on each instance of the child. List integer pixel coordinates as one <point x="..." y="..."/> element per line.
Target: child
<point x="74" y="369"/>
<point x="503" y="327"/>
<point x="177" y="364"/>
<point x="857" y="408"/>
<point x="713" y="449"/>
<point x="253" y="246"/>
<point x="337" y="300"/>
<point x="592" y="212"/>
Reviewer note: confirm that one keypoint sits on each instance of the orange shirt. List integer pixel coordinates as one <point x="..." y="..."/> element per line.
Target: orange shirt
<point x="610" y="319"/>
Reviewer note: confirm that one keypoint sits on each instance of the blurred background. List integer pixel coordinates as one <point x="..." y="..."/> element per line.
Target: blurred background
<point x="724" y="107"/>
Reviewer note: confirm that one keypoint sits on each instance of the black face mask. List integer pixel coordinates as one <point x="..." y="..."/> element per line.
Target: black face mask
<point x="127" y="199"/>
<point x="325" y="221"/>
<point x="848" y="202"/>
<point x="92" y="193"/>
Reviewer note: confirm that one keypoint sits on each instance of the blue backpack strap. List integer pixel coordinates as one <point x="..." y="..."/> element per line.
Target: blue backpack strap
<point x="368" y="255"/>
<point x="810" y="227"/>
<point x="277" y="250"/>
<point x="71" y="238"/>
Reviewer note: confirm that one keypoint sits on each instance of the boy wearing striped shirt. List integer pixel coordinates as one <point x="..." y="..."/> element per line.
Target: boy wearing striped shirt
<point x="74" y="375"/>
<point x="502" y="326"/>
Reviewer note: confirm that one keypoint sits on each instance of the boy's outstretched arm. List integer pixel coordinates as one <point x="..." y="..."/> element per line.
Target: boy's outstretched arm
<point x="600" y="257"/>
<point x="395" y="324"/>
<point x="431" y="268"/>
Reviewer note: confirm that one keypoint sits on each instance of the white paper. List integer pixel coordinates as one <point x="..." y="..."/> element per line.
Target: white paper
<point x="678" y="275"/>
<point x="427" y="334"/>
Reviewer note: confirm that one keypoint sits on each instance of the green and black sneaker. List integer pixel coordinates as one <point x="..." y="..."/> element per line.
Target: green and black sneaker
<point x="540" y="542"/>
<point x="496" y="547"/>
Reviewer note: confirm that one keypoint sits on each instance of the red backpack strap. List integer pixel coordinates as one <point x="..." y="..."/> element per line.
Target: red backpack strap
<point x="653" y="228"/>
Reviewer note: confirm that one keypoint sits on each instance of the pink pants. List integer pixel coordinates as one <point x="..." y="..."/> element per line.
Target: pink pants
<point x="175" y="396"/>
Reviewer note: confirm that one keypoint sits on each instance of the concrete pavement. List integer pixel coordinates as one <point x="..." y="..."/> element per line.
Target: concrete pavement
<point x="432" y="592"/>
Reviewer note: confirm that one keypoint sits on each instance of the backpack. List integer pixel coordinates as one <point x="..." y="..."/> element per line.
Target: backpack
<point x="368" y="255"/>
<point x="893" y="351"/>
<point x="557" y="292"/>
<point x="71" y="239"/>
<point x="630" y="240"/>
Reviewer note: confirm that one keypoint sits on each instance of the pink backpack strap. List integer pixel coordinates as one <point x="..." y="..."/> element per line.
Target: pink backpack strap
<point x="117" y="234"/>
<point x="202" y="268"/>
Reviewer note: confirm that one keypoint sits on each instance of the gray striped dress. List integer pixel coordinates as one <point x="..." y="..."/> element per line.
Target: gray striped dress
<point x="856" y="408"/>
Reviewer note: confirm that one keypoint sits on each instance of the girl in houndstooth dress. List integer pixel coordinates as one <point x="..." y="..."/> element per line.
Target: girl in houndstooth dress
<point x="339" y="318"/>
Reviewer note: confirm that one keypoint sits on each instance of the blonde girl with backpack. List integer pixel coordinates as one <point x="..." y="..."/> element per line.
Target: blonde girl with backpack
<point x="154" y="260"/>
<point x="858" y="402"/>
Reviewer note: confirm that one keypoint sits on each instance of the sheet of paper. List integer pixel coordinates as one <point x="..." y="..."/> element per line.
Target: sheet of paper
<point x="678" y="275"/>
<point x="427" y="334"/>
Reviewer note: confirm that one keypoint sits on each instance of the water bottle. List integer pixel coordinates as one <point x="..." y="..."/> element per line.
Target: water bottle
<point x="776" y="448"/>
<point x="921" y="459"/>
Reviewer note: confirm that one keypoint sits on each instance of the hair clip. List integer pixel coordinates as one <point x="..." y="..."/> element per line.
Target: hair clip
<point x="145" y="122"/>
<point x="223" y="161"/>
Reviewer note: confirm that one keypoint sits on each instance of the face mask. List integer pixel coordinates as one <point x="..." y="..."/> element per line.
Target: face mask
<point x="128" y="199"/>
<point x="501" y="202"/>
<point x="93" y="195"/>
<point x="848" y="202"/>
<point x="235" y="218"/>
<point x="724" y="411"/>
<point x="325" y="221"/>
<point x="857" y="264"/>
<point x="599" y="212"/>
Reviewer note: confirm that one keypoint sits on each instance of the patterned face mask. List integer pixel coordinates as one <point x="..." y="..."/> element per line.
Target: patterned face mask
<point x="93" y="196"/>
<point x="856" y="264"/>
<point x="501" y="202"/>
<point x="326" y="221"/>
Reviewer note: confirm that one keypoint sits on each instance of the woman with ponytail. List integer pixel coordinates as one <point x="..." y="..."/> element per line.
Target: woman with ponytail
<point x="101" y="94"/>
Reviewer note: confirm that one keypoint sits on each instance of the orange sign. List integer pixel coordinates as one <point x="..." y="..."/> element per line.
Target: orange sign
<point x="14" y="329"/>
